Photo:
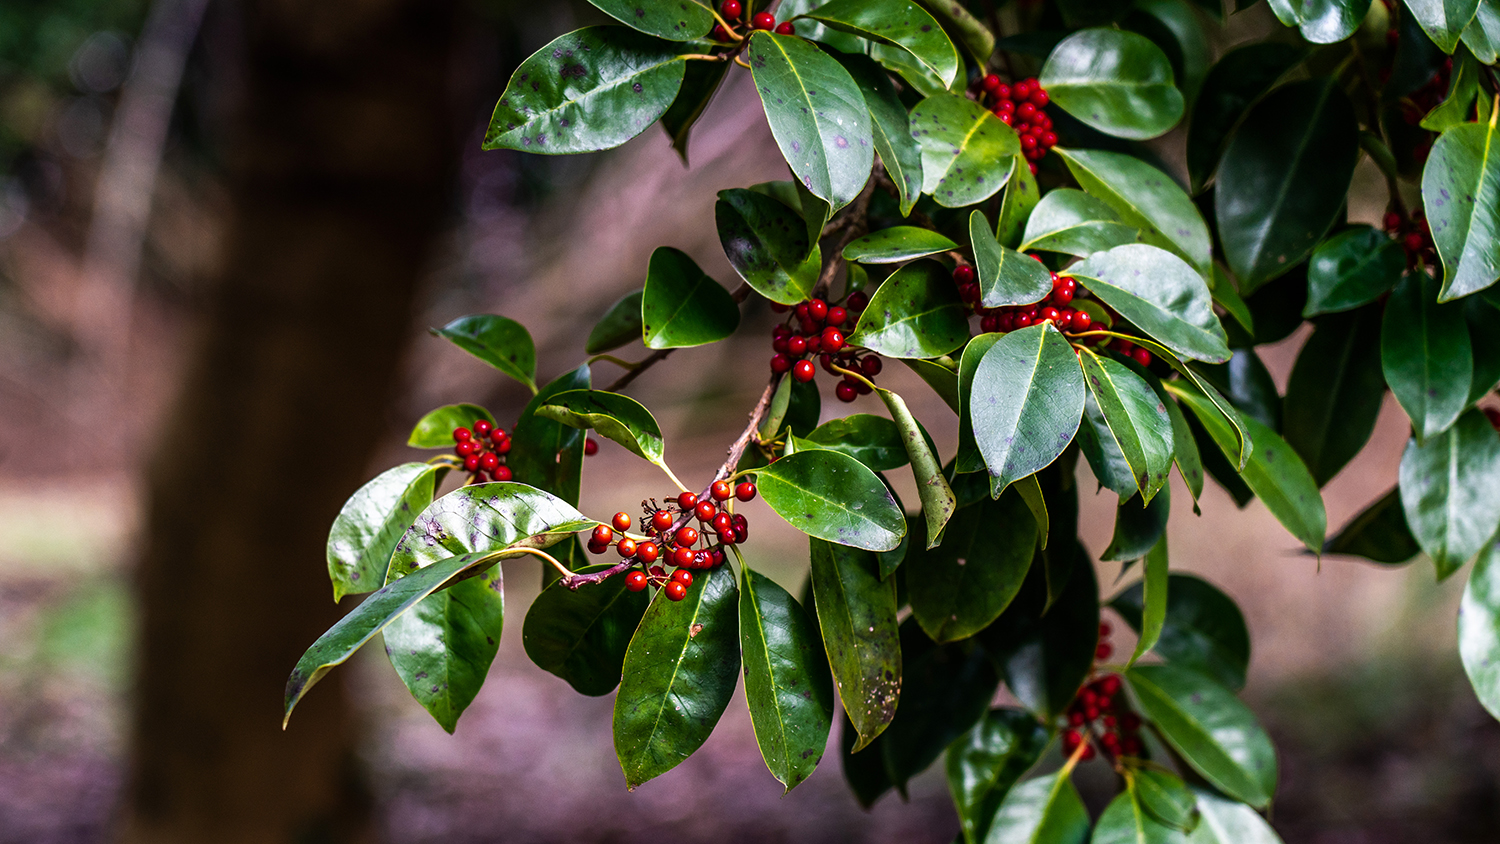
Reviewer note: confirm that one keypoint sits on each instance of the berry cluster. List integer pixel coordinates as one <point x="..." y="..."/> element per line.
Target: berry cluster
<point x="1022" y="107"/>
<point x="819" y="330"/>
<point x="733" y="11"/>
<point x="684" y="548"/>
<point x="1100" y="717"/>
<point x="1415" y="237"/>
<point x="483" y="451"/>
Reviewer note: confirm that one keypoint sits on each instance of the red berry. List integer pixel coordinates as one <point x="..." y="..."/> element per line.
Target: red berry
<point x="722" y="521"/>
<point x="674" y="589"/>
<point x="483" y="426"/>
<point x="1413" y="242"/>
<point x="687" y="500"/>
<point x="837" y="315"/>
<point x="658" y="572"/>
<point x="471" y="463"/>
<point x="626" y="547"/>
<point x="1088" y="753"/>
<point x="683" y="576"/>
<point x="845" y="392"/>
<point x="1032" y="165"/>
<point x="1028" y="142"/>
<point x="786" y="28"/>
<point x="815" y="342"/>
<point x="682" y="557"/>
<point x="731" y="9"/>
<point x="1005" y="117"/>
<point x="1049" y="139"/>
<point x="803" y="371"/>
<point x="686" y="537"/>
<point x="1130" y="721"/>
<point x="1048" y="314"/>
<point x="1003" y="92"/>
<point x="826" y="361"/>
<point x="590" y="446"/>
<point x="1493" y="415"/>
<point x="647" y="552"/>
<point x="1091" y="712"/>
<point x="1075" y="718"/>
<point x="763" y="20"/>
<point x="635" y="581"/>
<point x="989" y="323"/>
<point x="817" y="310"/>
<point x="781" y="345"/>
<point x="1103" y="651"/>
<point x="1392" y="223"/>
<point x="990" y="83"/>
<point x="1071" y="739"/>
<point x="1104" y="631"/>
<point x="963" y="274"/>
<point x="461" y="435"/>
<point x="466" y="448"/>
<point x="857" y="301"/>
<point x="832" y="340"/>
<point x="718" y="33"/>
<point x="661" y="520"/>
<point x="488" y="461"/>
<point x="1110" y="741"/>
<point x="1110" y="684"/>
<point x="779" y="364"/>
<point x="1022" y="90"/>
<point x="1039" y="97"/>
<point x="1141" y="356"/>
<point x="705" y="511"/>
<point x="1020" y="319"/>
<point x="800" y="312"/>
<point x="597" y="547"/>
<point x="721" y="491"/>
<point x="745" y="491"/>
<point x="502" y="446"/>
<point x="871" y="366"/>
<point x="603" y="535"/>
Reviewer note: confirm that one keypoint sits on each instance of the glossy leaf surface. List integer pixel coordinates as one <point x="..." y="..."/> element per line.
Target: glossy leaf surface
<point x="966" y="150"/>
<point x="1203" y="629"/>
<point x="832" y="496"/>
<point x="1232" y="85"/>
<point x="766" y="243"/>
<point x="1223" y="821"/>
<point x="897" y="244"/>
<point x="581" y="636"/>
<point x="620" y="325"/>
<point x="498" y="341"/>
<point x="618" y="417"/>
<point x="1073" y="223"/>
<point x="1145" y="198"/>
<point x="891" y="127"/>
<point x="1352" y="268"/>
<point x="857" y="616"/>
<point x="674" y="20"/>
<point x="372" y="521"/>
<point x="1006" y="277"/>
<point x="962" y="585"/>
<point x="1044" y="810"/>
<point x="1115" y="81"/>
<point x="1026" y="402"/>
<point x="682" y="306"/>
<point x="1126" y="821"/>
<point x="1450" y="490"/>
<point x="1160" y="294"/>
<point x="1379" y="533"/>
<point x="1136" y="417"/>
<point x="984" y="763"/>
<point x="938" y="502"/>
<point x="1443" y="20"/>
<point x="1335" y="392"/>
<point x="435" y="430"/>
<point x="1426" y="355"/>
<point x="872" y="440"/>
<point x="900" y="23"/>
<point x="1046" y="649"/>
<point x="1461" y="195"/>
<point x="916" y="313"/>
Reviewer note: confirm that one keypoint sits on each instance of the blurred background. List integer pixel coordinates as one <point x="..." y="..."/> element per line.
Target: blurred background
<point x="224" y="229"/>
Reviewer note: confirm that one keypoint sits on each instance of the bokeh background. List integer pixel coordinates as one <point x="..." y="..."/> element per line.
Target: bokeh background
<point x="224" y="229"/>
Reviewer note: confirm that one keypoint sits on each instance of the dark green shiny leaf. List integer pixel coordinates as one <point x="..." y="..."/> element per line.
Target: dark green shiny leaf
<point x="1249" y="387"/>
<point x="442" y="648"/>
<point x="547" y="454"/>
<point x="372" y="521"/>
<point x="1154" y="586"/>
<point x="592" y="89"/>
<point x="942" y="377"/>
<point x="1482" y="35"/>
<point x="832" y="496"/>
<point x="1044" y="810"/>
<point x="938" y="502"/>
<point x="966" y="150"/>
<point x="961" y="586"/>
<point x="1425" y="355"/>
<point x="1232" y="85"/>
<point x="1479" y="629"/>
<point x="787" y="683"/>
<point x="1026" y="402"/>
<point x="1138" y="529"/>
<point x="1137" y="419"/>
<point x="582" y="636"/>
<point x="963" y="27"/>
<point x="1223" y="821"/>
<point x="1379" y="534"/>
<point x="872" y="440"/>
<point x="618" y="417"/>
<point x="945" y="690"/>
<point x="1450" y="490"/>
<point x="1283" y="178"/>
<point x="1203" y="630"/>
<point x="897" y="244"/>
<point x="900" y="23"/>
<point x="864" y="771"/>
<point x="916" y="313"/>
<point x="968" y="458"/>
<point x="620" y="325"/>
<point x="1160" y="294"/>
<point x="817" y="114"/>
<point x="674" y="20"/>
<point x="1322" y="21"/>
<point x="1443" y="20"/>
<point x="1115" y="81"/>
<point x="679" y="674"/>
<point x="682" y="306"/>
<point x="1226" y="296"/>
<point x="700" y="82"/>
<point x="1126" y="821"/>
<point x="1017" y="201"/>
<point x="1352" y="268"/>
<point x="1461" y="195"/>
<point x="984" y="763"/>
<point x="891" y="127"/>
<point x="1230" y="417"/>
<point x="1145" y="198"/>
<point x="1006" y="277"/>
<point x="435" y="430"/>
<point x="1335" y="392"/>
<point x="1165" y="797"/>
<point x="1046" y="652"/>
<point x="766" y="243"/>
<point x="498" y="341"/>
<point x="857" y="616"/>
<point x="1106" y="461"/>
<point x="1175" y="27"/>
<point x="1484" y="341"/>
<point x="1073" y="223"/>
<point x="1184" y="446"/>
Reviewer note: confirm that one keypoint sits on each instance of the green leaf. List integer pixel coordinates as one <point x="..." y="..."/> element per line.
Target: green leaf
<point x="1138" y="529"/>
<point x="1115" y="81"/>
<point x="857" y="616"/>
<point x="817" y="114"/>
<point x="1046" y="652"/>
<point x="897" y="244"/>
<point x="1145" y="198"/>
<point x="766" y="243"/>
<point x="1322" y="21"/>
<point x="1461" y="195"/>
<point x="1482" y="35"/>
<point x="1209" y="728"/>
<point x="966" y="150"/>
<point x="681" y="306"/>
<point x="1106" y="461"/>
<point x="679" y="674"/>
<point x="941" y="377"/>
<point x="620" y="418"/>
<point x="1485" y="343"/>
<point x="1283" y="178"/>
<point x="1026" y="402"/>
<point x="891" y="127"/>
<point x="1184" y="446"/>
<point x="1274" y="472"/>
<point x="1017" y="201"/>
<point x="442" y="648"/>
<point x="1203" y="630"/>
<point x="968" y="458"/>
<point x="1136" y="417"/>
<point x="795" y="406"/>
<point x="437" y="554"/>
<point x="1463" y="88"/>
<point x="544" y="453"/>
<point x="816" y="212"/>
<point x="620" y="325"/>
<point x="674" y="20"/>
<point x="984" y="763"/>
<point x="581" y="636"/>
<point x="1154" y="585"/>
<point x="938" y="502"/>
<point x="1160" y="294"/>
<point x="1030" y="490"/>
<point x="872" y="440"/>
<point x="1379" y="533"/>
<point x="1225" y="410"/>
<point x="700" y="82"/>
<point x="900" y="23"/>
<point x="1126" y="821"/>
<point x="1227" y="297"/>
<point x="1450" y="490"/>
<point x="1224" y="821"/>
<point x="1165" y="797"/>
<point x="865" y="772"/>
<point x="961" y="586"/>
<point x="1174" y="26"/>
<point x="1479" y="629"/>
<point x="963" y="27"/>
<point x="786" y="679"/>
<point x="1073" y="223"/>
<point x="1006" y="277"/>
<point x="916" y="313"/>
<point x="372" y="521"/>
<point x="592" y="89"/>
<point x="435" y="430"/>
<point x="1249" y="386"/>
<point x="498" y="341"/>
<point x="1352" y="268"/>
<point x="1335" y="392"/>
<point x="832" y="496"/>
<point x="1443" y="20"/>
<point x="1428" y="364"/>
<point x="1044" y="810"/>
<point x="1235" y="83"/>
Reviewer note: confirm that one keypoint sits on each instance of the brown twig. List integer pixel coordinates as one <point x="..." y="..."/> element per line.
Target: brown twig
<point x="857" y="224"/>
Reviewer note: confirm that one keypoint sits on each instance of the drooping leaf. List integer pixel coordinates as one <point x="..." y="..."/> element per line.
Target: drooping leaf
<point x="1160" y="294"/>
<point x="1463" y="89"/>
<point x="864" y="771"/>
<point x="547" y="454"/>
<point x="961" y="586"/>
<point x="1115" y="81"/>
<point x="963" y="27"/>
<point x="1352" y="268"/>
<point x="941" y="375"/>
<point x="1224" y="409"/>
<point x="1185" y="452"/>
<point x="581" y="636"/>
<point x="1136" y="417"/>
<point x="1046" y="652"/>
<point x="938" y="502"/>
<point x="1450" y="490"/>
<point x="1479" y="629"/>
<point x="1175" y="27"/>
<point x="1026" y="402"/>
<point x="817" y="115"/>
<point x="1209" y="728"/>
<point x="620" y="325"/>
<point x="700" y="82"/>
<point x="1106" y="461"/>
<point x="832" y="496"/>
<point x="1044" y="810"/>
<point x="1073" y="223"/>
<point x="1425" y="355"/>
<point x="372" y="521"/>
<point x="1482" y="35"/>
<point x="1155" y="583"/>
<point x="674" y="20"/>
<point x="679" y="674"/>
<point x="1138" y="529"/>
<point x="787" y="683"/>
<point x="966" y="150"/>
<point x="1006" y="277"/>
<point x="857" y="616"/>
<point x="498" y="341"/>
<point x="592" y="89"/>
<point x="1165" y="797"/>
<point x="1284" y="177"/>
<point x="1461" y="195"/>
<point x="682" y="306"/>
<point x="766" y="243"/>
<point x="901" y="23"/>
<point x="916" y="313"/>
<point x="891" y="127"/>
<point x="984" y="763"/>
<point x="872" y="440"/>
<point x="1249" y="387"/>
<point x="1232" y="85"/>
<point x="1379" y="533"/>
<point x="1017" y="202"/>
<point x="1485" y="345"/>
<point x="1443" y="20"/>
<point x="1228" y="297"/>
<point x="1145" y="198"/>
<point x="1335" y="392"/>
<point x="1223" y="821"/>
<point x="618" y="417"/>
<point x="968" y="458"/>
<point x="1126" y="821"/>
<point x="897" y="244"/>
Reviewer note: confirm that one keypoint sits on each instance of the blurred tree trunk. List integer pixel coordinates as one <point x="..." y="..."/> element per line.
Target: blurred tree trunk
<point x="340" y="155"/>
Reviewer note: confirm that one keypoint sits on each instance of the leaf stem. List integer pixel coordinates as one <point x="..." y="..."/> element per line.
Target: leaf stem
<point x="1067" y="769"/>
<point x="566" y="573"/>
<point x="741" y="62"/>
<point x="858" y="375"/>
<point x="728" y="27"/>
<point x="668" y="470"/>
<point x="620" y="362"/>
<point x="702" y="57"/>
